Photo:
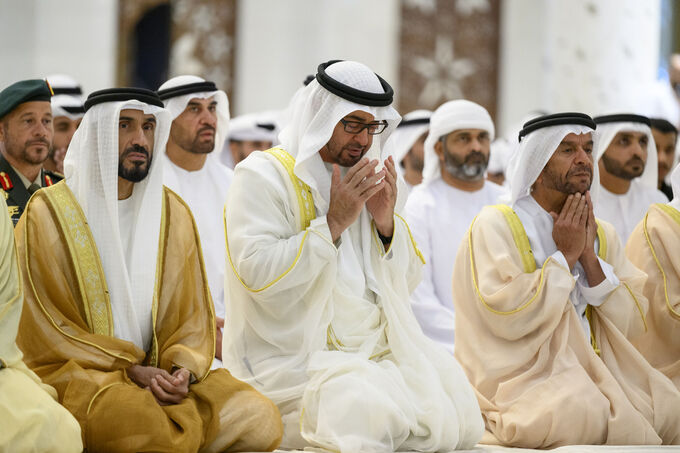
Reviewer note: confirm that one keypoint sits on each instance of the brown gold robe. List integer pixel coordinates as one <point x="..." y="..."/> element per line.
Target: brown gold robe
<point x="66" y="334"/>
<point x="653" y="247"/>
<point x="539" y="380"/>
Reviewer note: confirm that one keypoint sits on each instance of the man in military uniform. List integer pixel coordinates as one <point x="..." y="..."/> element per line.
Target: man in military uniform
<point x="26" y="133"/>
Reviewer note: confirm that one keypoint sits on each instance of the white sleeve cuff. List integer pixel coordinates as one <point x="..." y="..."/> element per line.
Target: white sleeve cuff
<point x="320" y="226"/>
<point x="559" y="257"/>
<point x="596" y="295"/>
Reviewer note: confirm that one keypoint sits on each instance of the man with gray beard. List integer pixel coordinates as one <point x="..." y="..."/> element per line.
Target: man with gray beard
<point x="441" y="209"/>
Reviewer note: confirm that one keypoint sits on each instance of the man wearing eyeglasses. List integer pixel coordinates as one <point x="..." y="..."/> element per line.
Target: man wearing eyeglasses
<point x="322" y="265"/>
<point x="441" y="209"/>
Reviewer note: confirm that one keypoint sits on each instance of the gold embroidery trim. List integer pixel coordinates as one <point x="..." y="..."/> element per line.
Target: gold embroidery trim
<point x="290" y="268"/>
<point x="602" y="239"/>
<point x="81" y="246"/>
<point x="99" y="392"/>
<point x="302" y="190"/>
<point x="159" y="277"/>
<point x="674" y="215"/>
<point x="526" y="255"/>
<point x="637" y="304"/>
<point x="519" y="235"/>
<point x="474" y="272"/>
<point x="162" y="234"/>
<point x="380" y="245"/>
<point x="29" y="276"/>
<point x="602" y="253"/>
<point x="413" y="241"/>
<point x="307" y="214"/>
<point x="593" y="341"/>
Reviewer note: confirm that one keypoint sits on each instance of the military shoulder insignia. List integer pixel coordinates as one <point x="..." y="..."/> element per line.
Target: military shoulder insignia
<point x="5" y="182"/>
<point x="52" y="177"/>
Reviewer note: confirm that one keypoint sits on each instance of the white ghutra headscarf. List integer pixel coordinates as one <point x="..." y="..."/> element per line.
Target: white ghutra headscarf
<point x="91" y="172"/>
<point x="68" y="97"/>
<point x="314" y="116"/>
<point x="176" y="106"/>
<point x="406" y="135"/>
<point x="605" y="135"/>
<point x="452" y="116"/>
<point x="533" y="153"/>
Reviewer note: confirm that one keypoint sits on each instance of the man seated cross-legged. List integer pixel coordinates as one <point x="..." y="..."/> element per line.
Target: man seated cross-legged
<point x="118" y="315"/>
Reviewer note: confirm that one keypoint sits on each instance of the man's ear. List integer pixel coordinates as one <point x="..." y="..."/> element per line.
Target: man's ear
<point x="3" y="124"/>
<point x="439" y="149"/>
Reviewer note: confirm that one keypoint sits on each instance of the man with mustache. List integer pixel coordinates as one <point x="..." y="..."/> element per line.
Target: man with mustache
<point x="318" y="317"/>
<point x="665" y="137"/>
<point x="626" y="157"/>
<point x="118" y="316"/>
<point x="407" y="146"/>
<point x="192" y="169"/>
<point x="25" y="140"/>
<point x="546" y="302"/>
<point x="440" y="210"/>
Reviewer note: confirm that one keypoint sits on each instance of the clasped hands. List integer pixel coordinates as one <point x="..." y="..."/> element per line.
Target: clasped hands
<point x="166" y="388"/>
<point x="362" y="185"/>
<point x="574" y="233"/>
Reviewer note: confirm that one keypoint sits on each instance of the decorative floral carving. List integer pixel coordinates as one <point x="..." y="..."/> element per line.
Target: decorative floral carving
<point x="448" y="53"/>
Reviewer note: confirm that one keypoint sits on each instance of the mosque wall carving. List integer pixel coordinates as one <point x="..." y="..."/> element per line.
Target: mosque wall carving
<point x="201" y="35"/>
<point x="449" y="50"/>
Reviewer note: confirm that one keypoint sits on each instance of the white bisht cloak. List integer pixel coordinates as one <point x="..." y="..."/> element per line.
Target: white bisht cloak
<point x="440" y="215"/>
<point x="325" y="330"/>
<point x="204" y="190"/>
<point x="625" y="211"/>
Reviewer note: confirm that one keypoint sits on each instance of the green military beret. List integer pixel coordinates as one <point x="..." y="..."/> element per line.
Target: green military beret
<point x="24" y="91"/>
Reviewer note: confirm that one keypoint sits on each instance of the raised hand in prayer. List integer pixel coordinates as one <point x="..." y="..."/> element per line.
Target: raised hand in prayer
<point x="588" y="259"/>
<point x="591" y="230"/>
<point x="219" y="324"/>
<point x="569" y="228"/>
<point x="381" y="205"/>
<point x="349" y="194"/>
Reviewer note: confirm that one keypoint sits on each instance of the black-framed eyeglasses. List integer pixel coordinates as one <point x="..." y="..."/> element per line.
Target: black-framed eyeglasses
<point x="356" y="127"/>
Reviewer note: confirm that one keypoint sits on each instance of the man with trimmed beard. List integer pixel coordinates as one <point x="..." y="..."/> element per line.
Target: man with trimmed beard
<point x="318" y="317"/>
<point x="665" y="137"/>
<point x="118" y="316"/>
<point x="626" y="156"/>
<point x="26" y="133"/>
<point x="546" y="302"/>
<point x="192" y="169"/>
<point x="440" y="210"/>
